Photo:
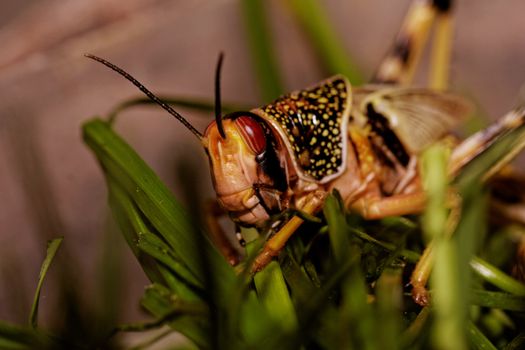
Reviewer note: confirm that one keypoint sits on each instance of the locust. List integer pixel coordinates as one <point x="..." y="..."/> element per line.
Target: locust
<point x="365" y="142"/>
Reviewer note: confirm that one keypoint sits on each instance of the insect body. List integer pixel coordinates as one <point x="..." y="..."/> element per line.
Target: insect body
<point x="365" y="142"/>
<point x="312" y="141"/>
<point x="292" y="152"/>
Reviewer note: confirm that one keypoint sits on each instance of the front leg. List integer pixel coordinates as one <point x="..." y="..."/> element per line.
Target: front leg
<point x="274" y="245"/>
<point x="213" y="212"/>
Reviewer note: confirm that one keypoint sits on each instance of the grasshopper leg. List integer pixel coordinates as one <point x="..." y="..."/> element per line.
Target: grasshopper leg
<point x="462" y="155"/>
<point x="400" y="63"/>
<point x="441" y="47"/>
<point x="402" y="204"/>
<point x="274" y="245"/>
<point x="216" y="233"/>
<point x="423" y="268"/>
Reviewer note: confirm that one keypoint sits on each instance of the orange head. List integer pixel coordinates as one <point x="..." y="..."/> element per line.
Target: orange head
<point x="248" y="175"/>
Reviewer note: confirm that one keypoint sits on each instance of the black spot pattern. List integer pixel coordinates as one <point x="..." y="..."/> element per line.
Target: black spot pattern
<point x="381" y="128"/>
<point x="313" y="122"/>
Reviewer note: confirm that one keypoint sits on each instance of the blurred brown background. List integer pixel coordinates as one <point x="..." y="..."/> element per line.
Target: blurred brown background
<point x="50" y="184"/>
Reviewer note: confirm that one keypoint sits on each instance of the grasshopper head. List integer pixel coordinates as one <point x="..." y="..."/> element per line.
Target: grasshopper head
<point x="247" y="173"/>
<point x="247" y="167"/>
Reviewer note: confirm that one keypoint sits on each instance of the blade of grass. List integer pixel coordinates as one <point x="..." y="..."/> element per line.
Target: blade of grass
<point x="316" y="24"/>
<point x="130" y="223"/>
<point x="52" y="248"/>
<point x="337" y="229"/>
<point x="356" y="315"/>
<point x="497" y="277"/>
<point x="141" y="240"/>
<point x="497" y="300"/>
<point x="389" y="293"/>
<point x="273" y="293"/>
<point x="450" y="303"/>
<point x="157" y="204"/>
<point x="262" y="49"/>
<point x="156" y="248"/>
<point x="301" y="288"/>
<point x="477" y="339"/>
<point x="415" y="330"/>
<point x="158" y="300"/>
<point x="16" y="337"/>
<point x="197" y="104"/>
<point x="111" y="283"/>
<point x="479" y="266"/>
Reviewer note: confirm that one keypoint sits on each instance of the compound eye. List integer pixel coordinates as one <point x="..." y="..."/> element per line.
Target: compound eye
<point x="253" y="133"/>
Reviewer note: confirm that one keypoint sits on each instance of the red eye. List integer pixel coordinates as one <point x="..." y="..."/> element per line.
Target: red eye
<point x="253" y="133"/>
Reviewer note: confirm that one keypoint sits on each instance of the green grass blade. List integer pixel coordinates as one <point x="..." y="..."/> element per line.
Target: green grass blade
<point x="130" y="223"/>
<point x="499" y="300"/>
<point x="415" y="330"/>
<point x="356" y="315"/>
<point x="497" y="277"/>
<point x="434" y="171"/>
<point x="317" y="25"/>
<point x="141" y="240"/>
<point x="110" y="279"/>
<point x="337" y="228"/>
<point x="447" y="297"/>
<point x="301" y="287"/>
<point x="191" y="103"/>
<point x="15" y="337"/>
<point x="156" y="248"/>
<point x="273" y="294"/>
<point x="160" y="302"/>
<point x="389" y="293"/>
<point x="157" y="204"/>
<point x="262" y="49"/>
<point x="52" y="248"/>
<point x="478" y="341"/>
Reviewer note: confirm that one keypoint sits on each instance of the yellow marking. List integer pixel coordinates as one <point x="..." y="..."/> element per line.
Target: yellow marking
<point x="304" y="158"/>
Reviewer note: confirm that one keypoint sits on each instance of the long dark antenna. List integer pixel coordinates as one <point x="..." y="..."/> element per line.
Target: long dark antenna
<point x="218" y="107"/>
<point x="148" y="93"/>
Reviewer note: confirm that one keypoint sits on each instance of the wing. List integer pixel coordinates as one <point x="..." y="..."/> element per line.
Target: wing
<point x="416" y="117"/>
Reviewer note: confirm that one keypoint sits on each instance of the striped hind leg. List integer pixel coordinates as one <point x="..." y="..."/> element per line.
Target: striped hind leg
<point x="508" y="134"/>
<point x="477" y="145"/>
<point x="400" y="63"/>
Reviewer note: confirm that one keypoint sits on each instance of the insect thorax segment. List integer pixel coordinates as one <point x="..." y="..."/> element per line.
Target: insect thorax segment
<point x="313" y="124"/>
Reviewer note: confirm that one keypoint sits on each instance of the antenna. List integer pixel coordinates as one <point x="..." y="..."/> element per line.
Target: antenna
<point x="218" y="108"/>
<point x="148" y="93"/>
